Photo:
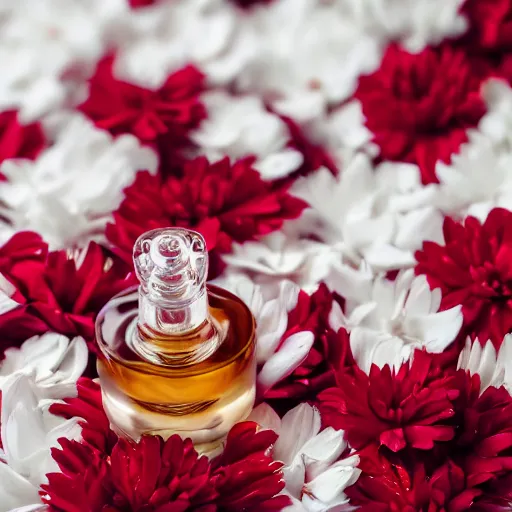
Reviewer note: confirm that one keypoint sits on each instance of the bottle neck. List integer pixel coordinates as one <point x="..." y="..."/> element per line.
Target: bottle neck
<point x="176" y="335"/>
<point x="173" y="318"/>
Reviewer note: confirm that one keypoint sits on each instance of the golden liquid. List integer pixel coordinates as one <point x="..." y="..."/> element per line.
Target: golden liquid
<point x="168" y="398"/>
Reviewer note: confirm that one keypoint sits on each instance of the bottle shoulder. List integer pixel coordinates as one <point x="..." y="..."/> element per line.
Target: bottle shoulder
<point x="116" y="328"/>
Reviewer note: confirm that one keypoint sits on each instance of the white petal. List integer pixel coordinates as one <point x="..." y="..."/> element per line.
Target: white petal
<point x="15" y="491"/>
<point x="279" y="165"/>
<point x="436" y="330"/>
<point x="266" y="417"/>
<point x="328" y="487"/>
<point x="322" y="450"/>
<point x="298" y="426"/>
<point x="290" y="355"/>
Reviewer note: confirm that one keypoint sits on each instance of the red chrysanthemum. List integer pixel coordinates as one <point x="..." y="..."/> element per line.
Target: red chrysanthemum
<point x="225" y="202"/>
<point x="151" y="475"/>
<point x="410" y="408"/>
<point x="19" y="140"/>
<point x="474" y="269"/>
<point x="244" y="476"/>
<point x="329" y="351"/>
<point x="165" y="115"/>
<point x="386" y="486"/>
<point x="88" y="405"/>
<point x="488" y="40"/>
<point x="419" y="106"/>
<point x="483" y="445"/>
<point x="56" y="291"/>
<point x="168" y="476"/>
<point x="470" y="472"/>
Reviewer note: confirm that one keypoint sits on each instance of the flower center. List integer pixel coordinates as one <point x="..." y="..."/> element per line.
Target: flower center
<point x="490" y="284"/>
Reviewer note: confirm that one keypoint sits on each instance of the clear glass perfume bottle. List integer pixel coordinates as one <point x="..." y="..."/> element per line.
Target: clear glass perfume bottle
<point x="177" y="356"/>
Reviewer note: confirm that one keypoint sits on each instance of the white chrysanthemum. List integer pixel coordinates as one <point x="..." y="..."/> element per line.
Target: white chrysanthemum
<point x="69" y="191"/>
<point x="309" y="56"/>
<point x="54" y="361"/>
<point x="415" y="23"/>
<point x="381" y="215"/>
<point x="495" y="369"/>
<point x="477" y="180"/>
<point x="283" y="256"/>
<point x="271" y="313"/>
<point x="396" y="318"/>
<point x="240" y="126"/>
<point x="28" y="432"/>
<point x="278" y="356"/>
<point x="40" y="42"/>
<point x="315" y="473"/>
<point x="160" y="39"/>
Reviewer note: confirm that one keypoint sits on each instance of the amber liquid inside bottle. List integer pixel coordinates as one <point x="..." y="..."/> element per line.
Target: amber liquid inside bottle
<point x="174" y="394"/>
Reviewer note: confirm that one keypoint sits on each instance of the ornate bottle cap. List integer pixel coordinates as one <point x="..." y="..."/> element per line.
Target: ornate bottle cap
<point x="171" y="265"/>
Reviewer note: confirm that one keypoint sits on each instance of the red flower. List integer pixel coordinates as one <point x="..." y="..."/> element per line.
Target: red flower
<point x="385" y="486"/>
<point x="244" y="476"/>
<point x="165" y="115"/>
<point x="484" y="432"/>
<point x="471" y="472"/>
<point x="329" y="351"/>
<point x="18" y="140"/>
<point x="407" y="409"/>
<point x="58" y="292"/>
<point x="165" y="476"/>
<point x="419" y="107"/>
<point x="225" y="202"/>
<point x="88" y="405"/>
<point x="151" y="475"/>
<point x="489" y="38"/>
<point x="474" y="269"/>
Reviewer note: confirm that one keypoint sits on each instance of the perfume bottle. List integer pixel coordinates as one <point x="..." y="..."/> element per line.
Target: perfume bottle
<point x="177" y="355"/>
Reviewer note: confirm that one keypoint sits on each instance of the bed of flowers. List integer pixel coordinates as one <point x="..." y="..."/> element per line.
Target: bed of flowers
<point x="349" y="163"/>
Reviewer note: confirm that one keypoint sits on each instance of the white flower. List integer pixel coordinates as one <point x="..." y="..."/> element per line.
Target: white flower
<point x="54" y="361"/>
<point x="156" y="41"/>
<point x="381" y="215"/>
<point x="466" y="185"/>
<point x="271" y="313"/>
<point x="240" y="126"/>
<point x="28" y="432"/>
<point x="315" y="473"/>
<point x="415" y="23"/>
<point x="69" y="191"/>
<point x="495" y="369"/>
<point x="39" y="42"/>
<point x="277" y="356"/>
<point x="397" y="317"/>
<point x="283" y="256"/>
<point x="309" y="56"/>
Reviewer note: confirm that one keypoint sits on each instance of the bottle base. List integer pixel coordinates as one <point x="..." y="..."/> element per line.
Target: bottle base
<point x="207" y="429"/>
